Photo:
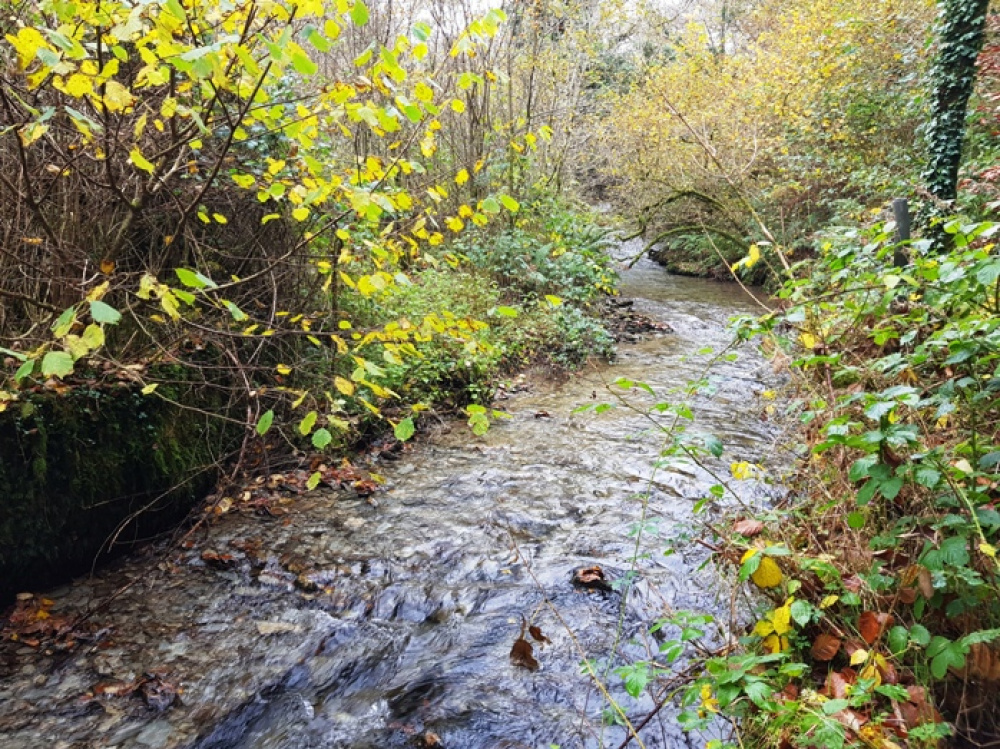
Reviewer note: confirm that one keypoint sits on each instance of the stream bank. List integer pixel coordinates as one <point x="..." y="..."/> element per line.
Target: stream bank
<point x="341" y="621"/>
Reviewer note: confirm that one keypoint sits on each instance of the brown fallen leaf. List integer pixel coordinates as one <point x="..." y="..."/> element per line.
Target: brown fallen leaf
<point x="592" y="578"/>
<point x="522" y="654"/>
<point x="836" y="685"/>
<point x="536" y="633"/>
<point x="925" y="583"/>
<point x="982" y="662"/>
<point x="872" y="624"/>
<point x="748" y="527"/>
<point x="918" y="710"/>
<point x="853" y="583"/>
<point x="825" y="647"/>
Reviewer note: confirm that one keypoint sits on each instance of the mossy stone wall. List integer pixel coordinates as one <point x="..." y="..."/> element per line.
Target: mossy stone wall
<point x="76" y="468"/>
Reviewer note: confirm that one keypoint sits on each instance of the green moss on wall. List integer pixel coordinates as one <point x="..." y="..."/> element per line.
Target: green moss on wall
<point x="80" y="468"/>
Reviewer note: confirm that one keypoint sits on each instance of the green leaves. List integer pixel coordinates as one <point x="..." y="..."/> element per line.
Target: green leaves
<point x="359" y="13"/>
<point x="264" y="422"/>
<point x="404" y="429"/>
<point x="321" y="438"/>
<point x="194" y="279"/>
<point x="104" y="313"/>
<point x="945" y="654"/>
<point x="57" y="364"/>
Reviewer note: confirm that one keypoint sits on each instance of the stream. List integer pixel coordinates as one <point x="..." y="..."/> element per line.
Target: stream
<point x="356" y="624"/>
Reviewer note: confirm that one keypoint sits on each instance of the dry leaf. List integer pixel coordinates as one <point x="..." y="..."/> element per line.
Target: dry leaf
<point x="825" y="647"/>
<point x="836" y="685"/>
<point x="522" y="654"/>
<point x="853" y="583"/>
<point x="537" y="634"/>
<point x="925" y="583"/>
<point x="748" y="527"/>
<point x="871" y="625"/>
<point x="591" y="577"/>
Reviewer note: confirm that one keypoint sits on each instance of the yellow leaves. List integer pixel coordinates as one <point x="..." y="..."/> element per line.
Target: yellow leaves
<point x="428" y="144"/>
<point x="462" y="177"/>
<point x="768" y="573"/>
<point x="808" y="340"/>
<point x="32" y="132"/>
<point x="78" y="85"/>
<point x="27" y="42"/>
<point x="136" y="157"/>
<point x="423" y="92"/>
<point x="709" y="703"/>
<point x="116" y="97"/>
<point x="744" y="471"/>
<point x="455" y="224"/>
<point x="283" y="369"/>
<point x="458" y="105"/>
<point x="752" y="257"/>
<point x="775" y="643"/>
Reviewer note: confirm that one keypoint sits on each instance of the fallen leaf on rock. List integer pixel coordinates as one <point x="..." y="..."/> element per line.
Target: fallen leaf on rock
<point x="537" y="634"/>
<point x="522" y="654"/>
<point x="592" y="578"/>
<point x="825" y="647"/>
<point x="748" y="527"/>
<point x="218" y="561"/>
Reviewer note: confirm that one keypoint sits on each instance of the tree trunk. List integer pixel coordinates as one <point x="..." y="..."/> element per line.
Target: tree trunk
<point x="961" y="31"/>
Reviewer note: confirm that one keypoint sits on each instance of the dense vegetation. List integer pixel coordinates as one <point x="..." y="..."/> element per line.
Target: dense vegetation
<point x="332" y="217"/>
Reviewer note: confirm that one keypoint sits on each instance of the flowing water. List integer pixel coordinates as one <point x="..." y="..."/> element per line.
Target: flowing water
<point x="403" y="633"/>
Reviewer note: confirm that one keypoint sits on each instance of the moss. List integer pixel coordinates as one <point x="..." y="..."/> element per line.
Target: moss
<point x="80" y="469"/>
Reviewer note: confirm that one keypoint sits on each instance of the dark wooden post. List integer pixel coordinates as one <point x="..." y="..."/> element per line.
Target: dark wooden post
<point x="901" y="213"/>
